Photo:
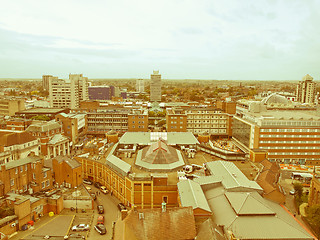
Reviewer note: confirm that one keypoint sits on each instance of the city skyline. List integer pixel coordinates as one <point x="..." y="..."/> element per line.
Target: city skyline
<point x="265" y="40"/>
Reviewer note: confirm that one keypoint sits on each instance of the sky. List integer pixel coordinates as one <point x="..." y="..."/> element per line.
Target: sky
<point x="183" y="39"/>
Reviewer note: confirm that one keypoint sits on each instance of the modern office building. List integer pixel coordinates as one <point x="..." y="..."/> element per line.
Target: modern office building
<point x="289" y="136"/>
<point x="140" y="85"/>
<point x="68" y="93"/>
<point x="46" y="82"/>
<point x="306" y="90"/>
<point x="155" y="87"/>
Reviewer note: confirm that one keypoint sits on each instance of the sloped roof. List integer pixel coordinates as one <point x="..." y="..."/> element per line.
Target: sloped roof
<point x="70" y="161"/>
<point x="119" y="165"/>
<point x="192" y="195"/>
<point x="232" y="177"/>
<point x="21" y="162"/>
<point x="248" y="203"/>
<point x="57" y="138"/>
<point x="10" y="138"/>
<point x="153" y="224"/>
<point x="43" y="126"/>
<point x="159" y="153"/>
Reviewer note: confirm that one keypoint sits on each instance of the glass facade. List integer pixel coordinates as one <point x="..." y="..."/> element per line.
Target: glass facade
<point x="241" y="131"/>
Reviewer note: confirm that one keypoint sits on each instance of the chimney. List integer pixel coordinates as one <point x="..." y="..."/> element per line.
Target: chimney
<point x="124" y="214"/>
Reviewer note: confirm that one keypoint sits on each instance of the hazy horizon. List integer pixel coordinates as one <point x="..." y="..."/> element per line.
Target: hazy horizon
<point x="268" y="40"/>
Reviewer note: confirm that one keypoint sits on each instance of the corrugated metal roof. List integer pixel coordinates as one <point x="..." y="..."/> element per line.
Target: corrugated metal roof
<point x="248" y="203"/>
<point x="118" y="165"/>
<point x="232" y="177"/>
<point x="192" y="195"/>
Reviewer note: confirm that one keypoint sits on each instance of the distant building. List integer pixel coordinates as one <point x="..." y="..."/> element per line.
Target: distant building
<point x="46" y="82"/>
<point x="10" y="106"/>
<point x="140" y="85"/>
<point x="68" y="94"/>
<point x="155" y="87"/>
<point x="306" y="90"/>
<point x="49" y="112"/>
<point x="99" y="92"/>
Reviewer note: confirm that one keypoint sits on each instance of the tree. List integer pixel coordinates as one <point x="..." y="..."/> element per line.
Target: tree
<point x="313" y="216"/>
<point x="298" y="188"/>
<point x="41" y="118"/>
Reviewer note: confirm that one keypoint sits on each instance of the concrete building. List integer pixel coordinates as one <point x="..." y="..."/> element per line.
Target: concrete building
<point x="15" y="145"/>
<point x="103" y="119"/>
<point x="53" y="142"/>
<point x="73" y="125"/>
<point x="25" y="175"/>
<point x="139" y="85"/>
<point x="155" y="87"/>
<point x="288" y="136"/>
<point x="10" y="106"/>
<point x="46" y="82"/>
<point x="306" y="90"/>
<point x="68" y="94"/>
<point x="199" y="120"/>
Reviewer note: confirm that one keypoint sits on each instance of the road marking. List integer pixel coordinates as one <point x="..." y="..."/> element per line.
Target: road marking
<point x="40" y="226"/>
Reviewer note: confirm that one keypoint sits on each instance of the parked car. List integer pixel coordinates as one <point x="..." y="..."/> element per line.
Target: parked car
<point x="104" y="190"/>
<point x="100" y="228"/>
<point x="121" y="207"/>
<point x="80" y="227"/>
<point x="292" y="192"/>
<point x="88" y="188"/>
<point x="87" y="181"/>
<point x="100" y="209"/>
<point x="97" y="184"/>
<point x="93" y="195"/>
<point x="100" y="219"/>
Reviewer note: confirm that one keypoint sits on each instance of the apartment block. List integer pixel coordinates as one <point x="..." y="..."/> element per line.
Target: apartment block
<point x="138" y="120"/>
<point x="10" y="106"/>
<point x="25" y="175"/>
<point x="140" y="85"/>
<point x="50" y="134"/>
<point x="155" y="87"/>
<point x="306" y="90"/>
<point x="46" y="82"/>
<point x="68" y="93"/>
<point x="73" y="125"/>
<point x="16" y="145"/>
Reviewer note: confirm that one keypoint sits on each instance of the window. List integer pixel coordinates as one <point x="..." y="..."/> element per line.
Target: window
<point x="21" y="168"/>
<point x="165" y="199"/>
<point x="11" y="182"/>
<point x="33" y="175"/>
<point x="43" y="184"/>
<point x="26" y="167"/>
<point x="48" y="183"/>
<point x="45" y="174"/>
<point x="17" y="170"/>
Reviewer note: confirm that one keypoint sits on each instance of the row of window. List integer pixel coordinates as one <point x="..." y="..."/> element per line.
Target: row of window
<point x="207" y="121"/>
<point x="290" y="130"/>
<point x="289" y="141"/>
<point x="294" y="153"/>
<point x="299" y="147"/>
<point x="291" y="123"/>
<point x="290" y="136"/>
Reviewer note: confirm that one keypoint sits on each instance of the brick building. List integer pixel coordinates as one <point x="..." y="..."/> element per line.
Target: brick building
<point x="16" y="145"/>
<point x="19" y="124"/>
<point x="53" y="142"/>
<point x="73" y="125"/>
<point x="67" y="171"/>
<point x="26" y="175"/>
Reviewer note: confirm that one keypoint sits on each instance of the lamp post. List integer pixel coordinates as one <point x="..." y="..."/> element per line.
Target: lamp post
<point x="76" y="192"/>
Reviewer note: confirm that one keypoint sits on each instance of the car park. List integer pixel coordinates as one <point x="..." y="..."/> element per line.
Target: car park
<point x="121" y="207"/>
<point x="100" y="209"/>
<point x="104" y="190"/>
<point x="80" y="227"/>
<point x="87" y="181"/>
<point x="97" y="184"/>
<point x="100" y="228"/>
